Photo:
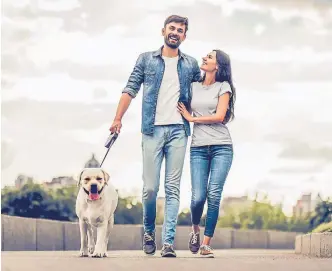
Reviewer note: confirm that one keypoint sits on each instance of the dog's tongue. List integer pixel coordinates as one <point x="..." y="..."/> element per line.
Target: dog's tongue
<point x="94" y="196"/>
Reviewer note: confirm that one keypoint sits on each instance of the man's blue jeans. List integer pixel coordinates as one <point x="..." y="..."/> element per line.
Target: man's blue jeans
<point x="169" y="141"/>
<point x="208" y="161"/>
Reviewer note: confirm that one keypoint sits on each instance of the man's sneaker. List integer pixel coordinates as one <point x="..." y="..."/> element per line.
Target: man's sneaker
<point x="194" y="242"/>
<point x="167" y="251"/>
<point x="206" y="251"/>
<point x="149" y="244"/>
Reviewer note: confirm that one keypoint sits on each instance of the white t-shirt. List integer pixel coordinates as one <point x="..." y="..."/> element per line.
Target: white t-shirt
<point x="169" y="93"/>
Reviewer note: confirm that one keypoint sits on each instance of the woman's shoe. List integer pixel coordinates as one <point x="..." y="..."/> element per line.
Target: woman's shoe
<point x="206" y="251"/>
<point x="194" y="242"/>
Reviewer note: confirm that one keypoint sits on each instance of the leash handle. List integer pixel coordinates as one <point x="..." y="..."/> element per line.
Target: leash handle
<point x="111" y="139"/>
<point x="109" y="142"/>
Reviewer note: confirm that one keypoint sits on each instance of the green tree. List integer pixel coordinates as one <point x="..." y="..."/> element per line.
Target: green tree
<point x="128" y="211"/>
<point x="323" y="214"/>
<point x="31" y="201"/>
<point x="64" y="203"/>
<point x="261" y="215"/>
<point x="184" y="218"/>
<point x="299" y="224"/>
<point x="229" y="220"/>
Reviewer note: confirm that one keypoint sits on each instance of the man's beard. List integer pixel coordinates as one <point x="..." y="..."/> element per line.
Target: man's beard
<point x="172" y="45"/>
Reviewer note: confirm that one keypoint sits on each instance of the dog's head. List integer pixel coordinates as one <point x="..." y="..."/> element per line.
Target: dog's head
<point x="93" y="181"/>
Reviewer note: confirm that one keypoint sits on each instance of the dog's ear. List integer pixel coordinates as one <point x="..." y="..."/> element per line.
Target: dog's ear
<point x="106" y="176"/>
<point x="79" y="178"/>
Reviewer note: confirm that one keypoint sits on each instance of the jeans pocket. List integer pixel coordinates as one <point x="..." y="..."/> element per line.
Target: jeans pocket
<point x="179" y="138"/>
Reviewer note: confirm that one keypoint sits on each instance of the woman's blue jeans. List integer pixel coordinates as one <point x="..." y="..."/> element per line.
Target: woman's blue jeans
<point x="209" y="166"/>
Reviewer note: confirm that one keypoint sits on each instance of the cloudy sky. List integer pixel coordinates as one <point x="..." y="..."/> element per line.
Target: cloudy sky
<point x="65" y="62"/>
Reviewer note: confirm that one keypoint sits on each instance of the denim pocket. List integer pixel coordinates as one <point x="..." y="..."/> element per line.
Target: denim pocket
<point x="149" y="76"/>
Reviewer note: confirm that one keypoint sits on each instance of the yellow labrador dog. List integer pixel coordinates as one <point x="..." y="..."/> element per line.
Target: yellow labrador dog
<point x="96" y="202"/>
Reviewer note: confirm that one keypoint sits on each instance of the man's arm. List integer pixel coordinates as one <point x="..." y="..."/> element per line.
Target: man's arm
<point x="196" y="77"/>
<point x="123" y="105"/>
<point x="196" y="72"/>
<point x="129" y="92"/>
<point x="136" y="78"/>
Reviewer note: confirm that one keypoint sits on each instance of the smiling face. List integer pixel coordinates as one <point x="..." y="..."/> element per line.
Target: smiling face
<point x="93" y="181"/>
<point x="209" y="63"/>
<point x="174" y="34"/>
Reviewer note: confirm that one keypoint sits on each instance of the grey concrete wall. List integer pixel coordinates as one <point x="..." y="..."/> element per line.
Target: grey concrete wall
<point x="18" y="233"/>
<point x="282" y="240"/>
<point x="298" y="243"/>
<point x="250" y="239"/>
<point x="158" y="236"/>
<point x="314" y="244"/>
<point x="240" y="239"/>
<point x="182" y="237"/>
<point x="326" y="245"/>
<point x="41" y="234"/>
<point x="125" y="237"/>
<point x="49" y="235"/>
<point x="259" y="239"/>
<point x="222" y="238"/>
<point x="71" y="236"/>
<point x="305" y="248"/>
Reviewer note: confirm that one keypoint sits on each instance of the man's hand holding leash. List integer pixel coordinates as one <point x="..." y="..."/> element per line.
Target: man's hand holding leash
<point x="116" y="126"/>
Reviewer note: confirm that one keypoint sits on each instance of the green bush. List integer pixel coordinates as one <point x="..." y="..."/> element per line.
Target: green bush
<point x="324" y="227"/>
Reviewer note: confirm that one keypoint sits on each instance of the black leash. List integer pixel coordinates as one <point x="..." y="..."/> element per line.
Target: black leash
<point x="110" y="141"/>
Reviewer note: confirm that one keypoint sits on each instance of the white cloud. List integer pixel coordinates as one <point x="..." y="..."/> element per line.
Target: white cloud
<point x="16" y="3"/>
<point x="309" y="14"/>
<point x="112" y="47"/>
<point x="108" y="47"/>
<point x="305" y="98"/>
<point x="162" y="5"/>
<point x="60" y="87"/>
<point x="287" y="54"/>
<point x="259" y="29"/>
<point x="59" y="5"/>
<point x="228" y="7"/>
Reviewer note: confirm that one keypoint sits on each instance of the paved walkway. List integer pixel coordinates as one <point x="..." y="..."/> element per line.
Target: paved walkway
<point x="226" y="260"/>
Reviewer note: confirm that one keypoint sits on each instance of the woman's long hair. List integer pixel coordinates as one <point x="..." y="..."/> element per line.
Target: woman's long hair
<point x="224" y="73"/>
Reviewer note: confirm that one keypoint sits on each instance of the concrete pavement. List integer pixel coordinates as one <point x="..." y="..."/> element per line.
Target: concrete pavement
<point x="248" y="260"/>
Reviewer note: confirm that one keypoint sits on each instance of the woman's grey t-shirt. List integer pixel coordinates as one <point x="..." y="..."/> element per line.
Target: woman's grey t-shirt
<point x="204" y="102"/>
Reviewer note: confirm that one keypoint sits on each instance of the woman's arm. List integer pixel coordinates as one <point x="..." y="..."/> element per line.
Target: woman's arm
<point x="216" y="118"/>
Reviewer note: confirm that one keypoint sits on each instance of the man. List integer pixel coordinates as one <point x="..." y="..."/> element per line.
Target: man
<point x="167" y="75"/>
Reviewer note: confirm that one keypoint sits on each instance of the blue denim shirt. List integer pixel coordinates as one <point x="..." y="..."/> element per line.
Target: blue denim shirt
<point x="149" y="71"/>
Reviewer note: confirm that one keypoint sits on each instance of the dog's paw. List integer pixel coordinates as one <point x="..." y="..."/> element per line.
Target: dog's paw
<point x="105" y="255"/>
<point x="83" y="253"/>
<point x="98" y="253"/>
<point x="91" y="249"/>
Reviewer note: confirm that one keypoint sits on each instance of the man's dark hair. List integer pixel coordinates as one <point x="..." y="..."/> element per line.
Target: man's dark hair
<point x="177" y="19"/>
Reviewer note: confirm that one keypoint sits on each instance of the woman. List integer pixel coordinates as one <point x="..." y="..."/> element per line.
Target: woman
<point x="211" y="151"/>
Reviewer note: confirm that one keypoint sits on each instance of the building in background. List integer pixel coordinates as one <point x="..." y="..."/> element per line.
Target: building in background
<point x="22" y="180"/>
<point x="59" y="182"/>
<point x="305" y="205"/>
<point x="93" y="162"/>
<point x="62" y="181"/>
